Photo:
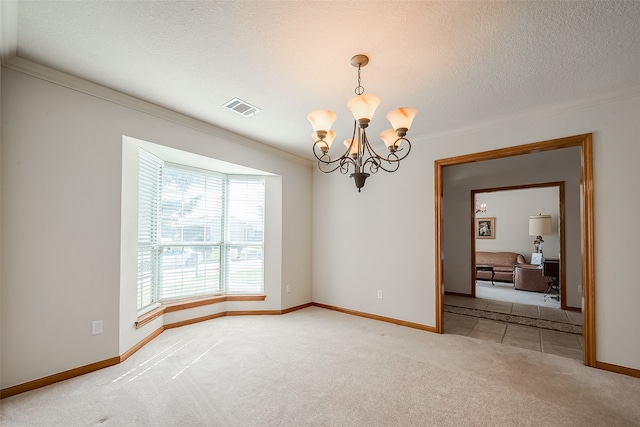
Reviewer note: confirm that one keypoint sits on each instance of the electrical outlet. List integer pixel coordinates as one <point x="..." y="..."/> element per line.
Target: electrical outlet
<point x="96" y="327"/>
<point x="288" y="289"/>
<point x="379" y="294"/>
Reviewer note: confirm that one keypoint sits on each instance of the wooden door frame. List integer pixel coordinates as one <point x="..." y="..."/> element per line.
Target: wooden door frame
<point x="561" y="233"/>
<point x="586" y="222"/>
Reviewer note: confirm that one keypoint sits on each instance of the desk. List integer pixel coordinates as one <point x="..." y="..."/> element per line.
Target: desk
<point x="551" y="269"/>
<point x="486" y="267"/>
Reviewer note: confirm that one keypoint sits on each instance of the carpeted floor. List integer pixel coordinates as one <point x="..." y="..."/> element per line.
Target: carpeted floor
<point x="504" y="291"/>
<point x="316" y="367"/>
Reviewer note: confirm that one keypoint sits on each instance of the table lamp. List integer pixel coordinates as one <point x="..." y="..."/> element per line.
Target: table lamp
<point x="539" y="225"/>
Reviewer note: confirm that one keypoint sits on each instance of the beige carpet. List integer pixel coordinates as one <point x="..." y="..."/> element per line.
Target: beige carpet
<point x="316" y="367"/>
<point x="505" y="291"/>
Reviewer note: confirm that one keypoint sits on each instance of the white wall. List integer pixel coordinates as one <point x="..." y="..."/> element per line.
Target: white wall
<point x="0" y="223"/>
<point x="62" y="167"/>
<point x="379" y="239"/>
<point x="511" y="209"/>
<point x="384" y="238"/>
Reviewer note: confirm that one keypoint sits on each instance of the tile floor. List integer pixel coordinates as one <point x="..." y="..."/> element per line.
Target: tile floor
<point x="528" y="337"/>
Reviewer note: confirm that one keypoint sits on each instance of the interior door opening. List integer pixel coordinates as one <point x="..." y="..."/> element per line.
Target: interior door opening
<point x="506" y="256"/>
<point x="452" y="231"/>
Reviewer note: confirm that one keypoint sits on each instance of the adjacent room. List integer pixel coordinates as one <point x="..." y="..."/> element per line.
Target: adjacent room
<point x="516" y="211"/>
<point x="515" y="298"/>
<point x="292" y="213"/>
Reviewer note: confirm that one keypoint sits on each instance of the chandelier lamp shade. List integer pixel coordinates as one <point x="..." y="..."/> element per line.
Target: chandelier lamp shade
<point x="360" y="157"/>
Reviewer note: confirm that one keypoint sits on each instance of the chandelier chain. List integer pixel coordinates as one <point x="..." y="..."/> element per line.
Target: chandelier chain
<point x="359" y="89"/>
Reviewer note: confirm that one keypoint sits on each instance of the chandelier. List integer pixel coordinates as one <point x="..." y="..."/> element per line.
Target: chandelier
<point x="359" y="154"/>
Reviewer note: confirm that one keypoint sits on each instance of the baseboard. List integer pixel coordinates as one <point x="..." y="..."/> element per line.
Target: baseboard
<point x="124" y="356"/>
<point x="61" y="376"/>
<point x="298" y="307"/>
<point x="75" y="372"/>
<point x="376" y="317"/>
<point x="195" y="320"/>
<point x="187" y="303"/>
<point x="618" y="369"/>
<point x="458" y="294"/>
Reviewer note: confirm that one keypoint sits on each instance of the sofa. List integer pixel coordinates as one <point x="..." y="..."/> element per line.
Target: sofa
<point x="529" y="277"/>
<point x="503" y="265"/>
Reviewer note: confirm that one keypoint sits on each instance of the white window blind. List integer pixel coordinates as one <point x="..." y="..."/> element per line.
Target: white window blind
<point x="191" y="236"/>
<point x="149" y="187"/>
<point x="208" y="232"/>
<point x="245" y="235"/>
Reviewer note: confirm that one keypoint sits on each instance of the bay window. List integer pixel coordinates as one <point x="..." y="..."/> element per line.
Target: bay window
<point x="199" y="232"/>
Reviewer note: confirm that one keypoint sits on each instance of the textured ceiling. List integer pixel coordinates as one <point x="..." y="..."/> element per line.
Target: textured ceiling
<point x="457" y="62"/>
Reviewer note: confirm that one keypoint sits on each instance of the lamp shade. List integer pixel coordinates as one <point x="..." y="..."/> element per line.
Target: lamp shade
<point x="390" y="137"/>
<point x="363" y="106"/>
<point x="321" y="119"/>
<point x="540" y="225"/>
<point x="353" y="148"/>
<point x="328" y="140"/>
<point x="401" y="117"/>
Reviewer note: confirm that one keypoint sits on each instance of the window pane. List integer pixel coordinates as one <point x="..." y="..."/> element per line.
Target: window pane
<point x="245" y="269"/>
<point x="192" y="212"/>
<point x="149" y="187"/>
<point x="192" y="206"/>
<point x="245" y="251"/>
<point x="189" y="270"/>
<point x="246" y="209"/>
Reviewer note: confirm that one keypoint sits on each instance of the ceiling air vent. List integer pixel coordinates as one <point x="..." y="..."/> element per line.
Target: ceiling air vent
<point x="243" y="108"/>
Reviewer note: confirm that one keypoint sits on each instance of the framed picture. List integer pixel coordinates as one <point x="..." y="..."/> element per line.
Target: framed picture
<point x="485" y="228"/>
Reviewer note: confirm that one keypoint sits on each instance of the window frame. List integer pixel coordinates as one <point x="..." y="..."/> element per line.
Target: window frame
<point x="223" y="246"/>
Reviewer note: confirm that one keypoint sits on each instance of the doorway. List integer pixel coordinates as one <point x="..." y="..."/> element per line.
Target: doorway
<point x="509" y="209"/>
<point x="583" y="143"/>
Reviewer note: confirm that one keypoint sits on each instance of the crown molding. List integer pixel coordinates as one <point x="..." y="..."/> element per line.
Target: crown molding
<point x="550" y="109"/>
<point x="8" y="30"/>
<point x="69" y="81"/>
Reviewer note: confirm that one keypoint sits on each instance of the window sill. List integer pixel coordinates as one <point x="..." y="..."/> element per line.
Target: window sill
<point x="187" y="303"/>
